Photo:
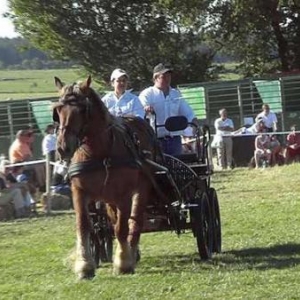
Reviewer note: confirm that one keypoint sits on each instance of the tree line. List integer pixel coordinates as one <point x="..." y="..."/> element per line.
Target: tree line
<point x="264" y="36"/>
<point x="18" y="53"/>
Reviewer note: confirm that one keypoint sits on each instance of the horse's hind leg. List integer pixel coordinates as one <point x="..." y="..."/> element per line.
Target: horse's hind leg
<point x="84" y="263"/>
<point x="123" y="262"/>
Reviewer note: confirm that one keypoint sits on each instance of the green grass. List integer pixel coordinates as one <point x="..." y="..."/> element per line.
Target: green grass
<point x="260" y="212"/>
<point x="34" y="84"/>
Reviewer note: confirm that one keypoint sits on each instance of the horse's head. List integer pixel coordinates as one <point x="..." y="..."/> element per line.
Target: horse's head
<point x="72" y="112"/>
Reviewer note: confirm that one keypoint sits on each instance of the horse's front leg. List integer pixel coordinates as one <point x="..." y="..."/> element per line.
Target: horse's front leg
<point x="139" y="202"/>
<point x="123" y="261"/>
<point x="84" y="263"/>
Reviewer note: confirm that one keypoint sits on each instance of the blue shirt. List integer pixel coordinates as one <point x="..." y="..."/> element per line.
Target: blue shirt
<point x="166" y="106"/>
<point x="127" y="104"/>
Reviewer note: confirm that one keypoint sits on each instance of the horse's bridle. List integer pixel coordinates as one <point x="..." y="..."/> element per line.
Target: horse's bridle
<point x="80" y="101"/>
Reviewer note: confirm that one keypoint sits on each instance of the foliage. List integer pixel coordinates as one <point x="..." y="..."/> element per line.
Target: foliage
<point x="260" y="216"/>
<point x="263" y="35"/>
<point x="133" y="34"/>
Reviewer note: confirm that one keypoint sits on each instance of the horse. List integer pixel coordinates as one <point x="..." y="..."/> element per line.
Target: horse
<point x="107" y="157"/>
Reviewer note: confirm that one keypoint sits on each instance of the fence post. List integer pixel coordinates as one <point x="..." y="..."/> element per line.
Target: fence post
<point x="10" y="122"/>
<point x="48" y="184"/>
<point x="240" y="101"/>
<point x="282" y="97"/>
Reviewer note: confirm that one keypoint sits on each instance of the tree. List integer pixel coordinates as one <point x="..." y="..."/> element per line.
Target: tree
<point x="132" y="34"/>
<point x="263" y="35"/>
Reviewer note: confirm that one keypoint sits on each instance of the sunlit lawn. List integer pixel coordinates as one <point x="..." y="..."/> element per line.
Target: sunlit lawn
<point x="261" y="243"/>
<point x="34" y="84"/>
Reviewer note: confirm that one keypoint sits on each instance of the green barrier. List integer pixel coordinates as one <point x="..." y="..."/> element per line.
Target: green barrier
<point x="195" y="96"/>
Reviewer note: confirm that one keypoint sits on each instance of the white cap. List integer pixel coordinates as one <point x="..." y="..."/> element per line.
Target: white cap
<point x="117" y="73"/>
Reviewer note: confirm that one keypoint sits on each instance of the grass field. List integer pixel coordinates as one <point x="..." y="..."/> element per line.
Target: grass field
<point x="260" y="212"/>
<point x="34" y="84"/>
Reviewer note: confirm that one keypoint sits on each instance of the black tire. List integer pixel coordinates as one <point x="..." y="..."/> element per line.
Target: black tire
<point x="106" y="238"/>
<point x="201" y="222"/>
<point x="216" y="220"/>
<point x="95" y="248"/>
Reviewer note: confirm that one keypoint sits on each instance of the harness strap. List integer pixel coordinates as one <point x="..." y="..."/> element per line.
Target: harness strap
<point x="104" y="164"/>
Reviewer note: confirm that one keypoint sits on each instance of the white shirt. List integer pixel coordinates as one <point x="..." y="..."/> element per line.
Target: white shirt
<point x="269" y="119"/>
<point x="49" y="143"/>
<point x="166" y="106"/>
<point x="127" y="104"/>
<point x="223" y="123"/>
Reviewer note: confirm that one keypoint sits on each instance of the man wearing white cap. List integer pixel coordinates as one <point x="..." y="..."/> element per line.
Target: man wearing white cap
<point x="166" y="102"/>
<point x="121" y="102"/>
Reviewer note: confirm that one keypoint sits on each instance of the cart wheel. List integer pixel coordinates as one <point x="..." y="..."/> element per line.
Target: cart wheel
<point x="95" y="248"/>
<point x="106" y="244"/>
<point x="216" y="220"/>
<point x="202" y="225"/>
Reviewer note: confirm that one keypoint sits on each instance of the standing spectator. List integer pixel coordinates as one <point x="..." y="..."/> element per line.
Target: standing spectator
<point x="121" y="102"/>
<point x="166" y="102"/>
<point x="269" y="118"/>
<point x="293" y="145"/>
<point x="49" y="142"/>
<point x="224" y="127"/>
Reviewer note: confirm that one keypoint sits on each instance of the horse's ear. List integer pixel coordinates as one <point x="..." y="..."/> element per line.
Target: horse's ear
<point x="58" y="83"/>
<point x="86" y="84"/>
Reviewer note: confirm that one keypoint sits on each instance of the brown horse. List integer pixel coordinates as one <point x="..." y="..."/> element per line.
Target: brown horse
<point x="106" y="162"/>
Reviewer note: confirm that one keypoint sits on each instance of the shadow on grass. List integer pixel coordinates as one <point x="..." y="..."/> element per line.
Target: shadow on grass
<point x="277" y="256"/>
<point x="273" y="257"/>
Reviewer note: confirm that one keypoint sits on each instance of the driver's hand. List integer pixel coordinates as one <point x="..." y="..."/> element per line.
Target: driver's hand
<point x="149" y="109"/>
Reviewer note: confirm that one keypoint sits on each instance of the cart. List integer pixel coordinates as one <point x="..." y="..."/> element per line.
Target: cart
<point x="189" y="204"/>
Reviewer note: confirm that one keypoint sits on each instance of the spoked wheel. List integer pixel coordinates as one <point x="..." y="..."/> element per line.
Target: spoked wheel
<point x="216" y="220"/>
<point x="94" y="244"/>
<point x="106" y="244"/>
<point x="201" y="222"/>
<point x="105" y="234"/>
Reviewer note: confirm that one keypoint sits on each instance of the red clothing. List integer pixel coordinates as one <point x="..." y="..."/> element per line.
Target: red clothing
<point x="293" y="138"/>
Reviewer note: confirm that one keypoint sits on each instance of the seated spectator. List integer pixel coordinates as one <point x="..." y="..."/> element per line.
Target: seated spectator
<point x="20" y="148"/>
<point x="275" y="148"/>
<point x="10" y="193"/>
<point x="20" y="151"/>
<point x="293" y="145"/>
<point x="262" y="149"/>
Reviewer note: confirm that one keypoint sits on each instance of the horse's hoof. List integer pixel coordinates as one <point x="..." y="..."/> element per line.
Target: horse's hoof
<point x="86" y="276"/>
<point x="123" y="271"/>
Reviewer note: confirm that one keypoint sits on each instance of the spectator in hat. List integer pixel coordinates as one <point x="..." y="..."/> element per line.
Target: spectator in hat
<point x="269" y="118"/>
<point x="121" y="102"/>
<point x="166" y="102"/>
<point x="20" y="151"/>
<point x="49" y="142"/>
